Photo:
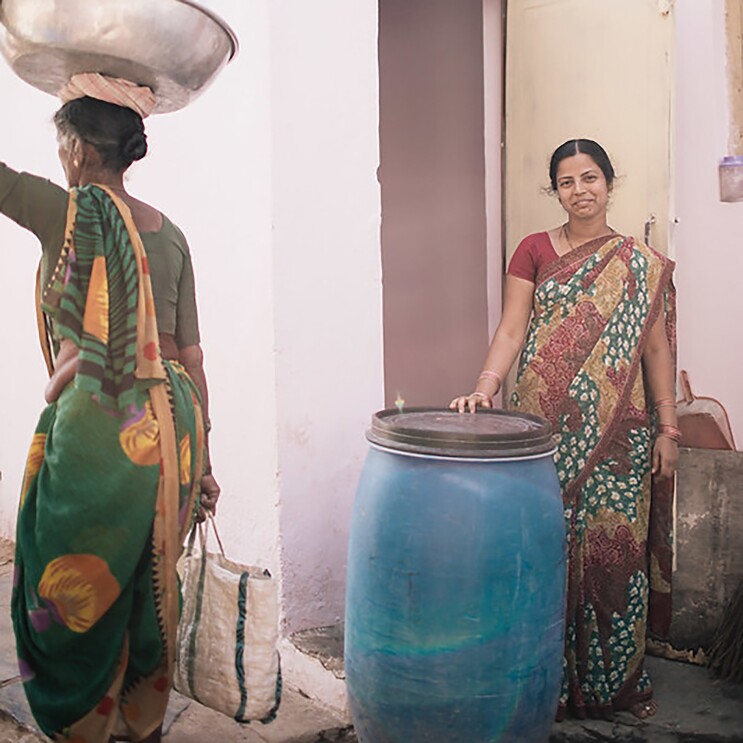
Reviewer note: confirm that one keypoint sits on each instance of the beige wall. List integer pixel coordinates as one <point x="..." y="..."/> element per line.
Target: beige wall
<point x="734" y="22"/>
<point x="432" y="174"/>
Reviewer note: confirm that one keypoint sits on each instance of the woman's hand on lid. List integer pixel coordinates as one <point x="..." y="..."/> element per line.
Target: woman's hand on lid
<point x="465" y="403"/>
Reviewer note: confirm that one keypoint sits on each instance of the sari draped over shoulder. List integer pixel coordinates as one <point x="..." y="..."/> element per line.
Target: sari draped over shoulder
<point x="581" y="368"/>
<point x="110" y="488"/>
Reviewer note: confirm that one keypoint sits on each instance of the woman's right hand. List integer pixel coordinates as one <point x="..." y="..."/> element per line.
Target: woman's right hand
<point x="65" y="369"/>
<point x="210" y="491"/>
<point x="470" y="402"/>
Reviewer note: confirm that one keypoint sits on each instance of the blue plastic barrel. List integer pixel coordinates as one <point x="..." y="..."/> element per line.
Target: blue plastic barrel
<point x="456" y="580"/>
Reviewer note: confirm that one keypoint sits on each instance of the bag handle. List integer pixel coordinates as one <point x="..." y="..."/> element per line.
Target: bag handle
<point x="203" y="532"/>
<point x="686" y="386"/>
<point x="211" y="520"/>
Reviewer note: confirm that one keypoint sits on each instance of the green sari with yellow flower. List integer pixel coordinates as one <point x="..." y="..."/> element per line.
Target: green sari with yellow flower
<point x="581" y="368"/>
<point x="111" y="484"/>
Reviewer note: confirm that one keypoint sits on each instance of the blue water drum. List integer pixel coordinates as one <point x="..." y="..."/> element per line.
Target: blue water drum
<point x="456" y="580"/>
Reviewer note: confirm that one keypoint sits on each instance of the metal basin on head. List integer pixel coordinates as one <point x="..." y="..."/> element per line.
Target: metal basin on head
<point x="176" y="47"/>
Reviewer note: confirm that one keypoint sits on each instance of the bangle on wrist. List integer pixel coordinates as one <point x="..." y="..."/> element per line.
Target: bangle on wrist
<point x="670" y="432"/>
<point x="665" y="402"/>
<point x="489" y="374"/>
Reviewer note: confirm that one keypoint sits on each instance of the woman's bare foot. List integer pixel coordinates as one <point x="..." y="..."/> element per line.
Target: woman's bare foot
<point x="641" y="710"/>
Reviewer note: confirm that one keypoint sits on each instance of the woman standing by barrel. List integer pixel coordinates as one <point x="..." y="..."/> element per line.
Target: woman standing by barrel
<point x="119" y="462"/>
<point x="592" y="314"/>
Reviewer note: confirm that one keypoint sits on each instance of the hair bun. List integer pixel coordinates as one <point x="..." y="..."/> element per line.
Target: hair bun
<point x="135" y="148"/>
<point x="116" y="132"/>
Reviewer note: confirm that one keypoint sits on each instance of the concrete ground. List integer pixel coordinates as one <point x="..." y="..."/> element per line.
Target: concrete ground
<point x="693" y="707"/>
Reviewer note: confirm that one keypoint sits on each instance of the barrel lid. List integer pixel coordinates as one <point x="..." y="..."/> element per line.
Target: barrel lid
<point x="486" y="434"/>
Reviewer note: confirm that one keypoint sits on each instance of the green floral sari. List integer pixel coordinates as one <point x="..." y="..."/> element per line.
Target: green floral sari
<point x="582" y="370"/>
<point x="110" y="488"/>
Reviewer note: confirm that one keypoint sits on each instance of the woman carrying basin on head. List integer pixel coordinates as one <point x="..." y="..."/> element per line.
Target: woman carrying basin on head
<point x="119" y="462"/>
<point x="592" y="314"/>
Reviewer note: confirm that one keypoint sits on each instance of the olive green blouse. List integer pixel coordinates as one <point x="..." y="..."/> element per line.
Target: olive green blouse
<point x="40" y="206"/>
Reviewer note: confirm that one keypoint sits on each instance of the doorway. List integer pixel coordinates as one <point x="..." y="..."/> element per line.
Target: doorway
<point x="433" y="182"/>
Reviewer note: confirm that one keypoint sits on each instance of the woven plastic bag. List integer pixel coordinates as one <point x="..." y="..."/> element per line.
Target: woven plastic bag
<point x="227" y="657"/>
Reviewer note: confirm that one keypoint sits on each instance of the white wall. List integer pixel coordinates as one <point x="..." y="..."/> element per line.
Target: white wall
<point x="209" y="169"/>
<point x="327" y="285"/>
<point x="27" y="141"/>
<point x="707" y="238"/>
<point x="272" y="176"/>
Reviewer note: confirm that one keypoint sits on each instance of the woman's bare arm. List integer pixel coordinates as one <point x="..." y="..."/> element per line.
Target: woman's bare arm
<point x="659" y="375"/>
<point x="65" y="368"/>
<point x="192" y="358"/>
<point x="506" y="345"/>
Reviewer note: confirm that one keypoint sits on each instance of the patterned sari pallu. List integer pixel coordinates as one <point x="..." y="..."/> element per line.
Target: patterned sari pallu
<point x="110" y="488"/>
<point x="582" y="370"/>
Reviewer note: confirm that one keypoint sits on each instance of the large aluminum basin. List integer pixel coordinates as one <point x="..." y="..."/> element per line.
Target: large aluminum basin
<point x="176" y="47"/>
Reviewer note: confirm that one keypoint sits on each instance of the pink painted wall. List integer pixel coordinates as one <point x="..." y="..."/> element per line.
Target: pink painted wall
<point x="432" y="173"/>
<point x="708" y="239"/>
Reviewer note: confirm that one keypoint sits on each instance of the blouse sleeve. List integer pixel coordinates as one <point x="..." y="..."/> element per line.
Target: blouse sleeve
<point x="187" y="318"/>
<point x="35" y="204"/>
<point x="523" y="263"/>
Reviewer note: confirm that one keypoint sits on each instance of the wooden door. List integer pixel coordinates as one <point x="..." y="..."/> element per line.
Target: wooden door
<point x="599" y="69"/>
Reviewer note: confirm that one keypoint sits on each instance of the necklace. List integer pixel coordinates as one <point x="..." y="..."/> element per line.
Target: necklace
<point x="566" y="236"/>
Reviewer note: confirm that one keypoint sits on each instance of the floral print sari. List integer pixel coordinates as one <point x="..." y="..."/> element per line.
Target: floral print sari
<point x="581" y="368"/>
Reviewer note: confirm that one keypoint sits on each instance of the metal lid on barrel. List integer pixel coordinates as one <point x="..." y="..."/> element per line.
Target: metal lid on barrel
<point x="174" y="47"/>
<point x="487" y="434"/>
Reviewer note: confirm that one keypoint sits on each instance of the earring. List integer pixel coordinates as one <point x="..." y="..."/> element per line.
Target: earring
<point x="76" y="163"/>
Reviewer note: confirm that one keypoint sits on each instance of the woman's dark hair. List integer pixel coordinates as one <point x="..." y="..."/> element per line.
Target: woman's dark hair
<point x="585" y="147"/>
<point x="116" y="132"/>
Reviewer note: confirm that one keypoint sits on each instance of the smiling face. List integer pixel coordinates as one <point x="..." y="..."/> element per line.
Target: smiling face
<point x="582" y="188"/>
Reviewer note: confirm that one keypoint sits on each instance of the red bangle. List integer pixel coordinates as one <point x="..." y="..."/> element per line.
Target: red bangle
<point x="665" y="403"/>
<point x="671" y="432"/>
